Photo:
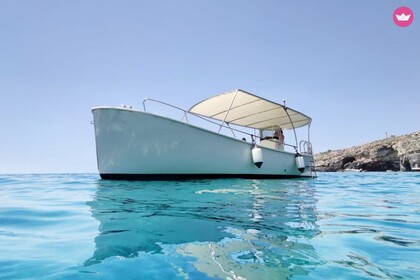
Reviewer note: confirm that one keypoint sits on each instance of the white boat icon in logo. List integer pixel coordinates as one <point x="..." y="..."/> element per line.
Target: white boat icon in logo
<point x="403" y="17"/>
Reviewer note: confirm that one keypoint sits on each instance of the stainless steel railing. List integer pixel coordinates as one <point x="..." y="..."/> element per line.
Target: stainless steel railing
<point x="220" y="125"/>
<point x="305" y="148"/>
<point x="186" y="113"/>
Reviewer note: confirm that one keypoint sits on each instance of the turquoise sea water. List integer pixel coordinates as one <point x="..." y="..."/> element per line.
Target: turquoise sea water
<point x="338" y="226"/>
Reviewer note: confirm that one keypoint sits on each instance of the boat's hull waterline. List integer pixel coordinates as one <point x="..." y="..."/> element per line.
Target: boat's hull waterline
<point x="137" y="145"/>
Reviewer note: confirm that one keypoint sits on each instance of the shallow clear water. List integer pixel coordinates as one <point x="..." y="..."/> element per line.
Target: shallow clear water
<point x="338" y="226"/>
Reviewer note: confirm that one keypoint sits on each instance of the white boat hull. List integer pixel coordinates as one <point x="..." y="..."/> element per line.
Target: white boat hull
<point x="136" y="145"/>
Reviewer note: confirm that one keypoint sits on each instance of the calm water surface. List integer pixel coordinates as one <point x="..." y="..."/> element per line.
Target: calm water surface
<point x="338" y="226"/>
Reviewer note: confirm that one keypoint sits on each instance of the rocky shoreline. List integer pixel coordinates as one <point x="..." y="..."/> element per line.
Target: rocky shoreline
<point x="395" y="153"/>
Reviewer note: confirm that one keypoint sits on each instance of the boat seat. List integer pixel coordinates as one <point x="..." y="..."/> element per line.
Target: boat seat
<point x="272" y="144"/>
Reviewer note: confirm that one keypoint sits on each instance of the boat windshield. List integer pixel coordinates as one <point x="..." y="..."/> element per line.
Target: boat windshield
<point x="266" y="133"/>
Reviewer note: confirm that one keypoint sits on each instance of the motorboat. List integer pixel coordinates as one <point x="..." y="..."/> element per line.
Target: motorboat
<point x="415" y="168"/>
<point x="226" y="136"/>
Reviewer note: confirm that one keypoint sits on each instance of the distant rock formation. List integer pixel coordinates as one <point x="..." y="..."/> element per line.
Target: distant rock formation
<point x="395" y="153"/>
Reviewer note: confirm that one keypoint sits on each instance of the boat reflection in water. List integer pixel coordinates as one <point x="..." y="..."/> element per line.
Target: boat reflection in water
<point x="238" y="229"/>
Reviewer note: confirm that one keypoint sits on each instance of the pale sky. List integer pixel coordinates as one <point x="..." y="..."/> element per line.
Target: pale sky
<point x="343" y="63"/>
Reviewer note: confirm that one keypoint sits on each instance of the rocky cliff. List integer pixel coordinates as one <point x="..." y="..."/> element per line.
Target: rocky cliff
<point x="396" y="153"/>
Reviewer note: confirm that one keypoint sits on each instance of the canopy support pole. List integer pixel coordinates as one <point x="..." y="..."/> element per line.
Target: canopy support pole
<point x="227" y="112"/>
<point x="309" y="131"/>
<point x="293" y="126"/>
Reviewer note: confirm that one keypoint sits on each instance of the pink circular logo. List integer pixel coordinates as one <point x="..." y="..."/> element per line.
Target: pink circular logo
<point x="403" y="16"/>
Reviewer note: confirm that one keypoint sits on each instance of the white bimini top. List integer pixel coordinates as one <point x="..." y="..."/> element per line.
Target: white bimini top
<point x="245" y="109"/>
